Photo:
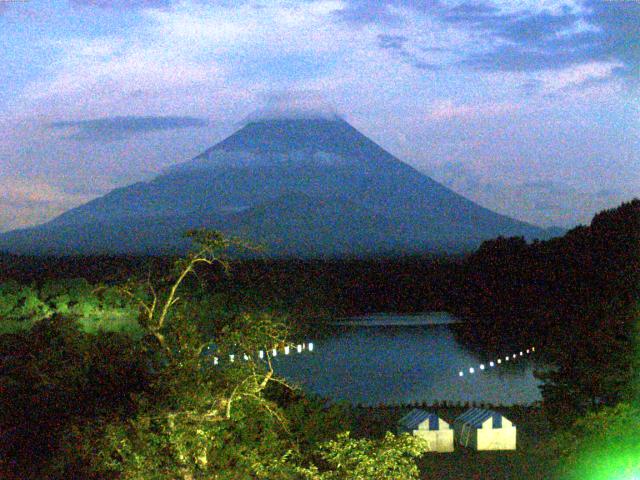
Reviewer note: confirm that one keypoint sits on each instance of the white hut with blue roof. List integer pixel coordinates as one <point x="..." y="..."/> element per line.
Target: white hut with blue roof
<point x="484" y="430"/>
<point x="428" y="426"/>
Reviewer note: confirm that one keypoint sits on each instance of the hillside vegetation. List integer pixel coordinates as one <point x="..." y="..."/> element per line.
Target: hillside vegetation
<point x="106" y="365"/>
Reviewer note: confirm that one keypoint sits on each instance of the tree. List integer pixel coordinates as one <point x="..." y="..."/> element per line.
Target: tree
<point x="347" y="458"/>
<point x="573" y="298"/>
<point x="204" y="415"/>
<point x="55" y="378"/>
<point x="20" y="307"/>
<point x="599" y="446"/>
<point x="171" y="404"/>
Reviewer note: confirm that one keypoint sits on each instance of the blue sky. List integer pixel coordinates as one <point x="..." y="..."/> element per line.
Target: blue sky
<point x="528" y="107"/>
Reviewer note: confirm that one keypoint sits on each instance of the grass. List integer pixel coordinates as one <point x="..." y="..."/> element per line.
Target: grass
<point x="112" y="321"/>
<point x="15" y="326"/>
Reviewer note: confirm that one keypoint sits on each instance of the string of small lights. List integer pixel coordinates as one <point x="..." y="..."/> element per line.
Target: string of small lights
<point x="262" y="354"/>
<point x="499" y="361"/>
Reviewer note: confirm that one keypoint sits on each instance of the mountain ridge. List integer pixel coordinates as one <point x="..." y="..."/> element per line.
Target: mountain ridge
<point x="344" y="184"/>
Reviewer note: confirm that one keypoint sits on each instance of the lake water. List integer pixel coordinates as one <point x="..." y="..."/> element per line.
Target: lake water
<point x="395" y="359"/>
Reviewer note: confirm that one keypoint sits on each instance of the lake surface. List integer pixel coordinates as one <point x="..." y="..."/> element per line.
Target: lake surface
<point x="391" y="320"/>
<point x="394" y="359"/>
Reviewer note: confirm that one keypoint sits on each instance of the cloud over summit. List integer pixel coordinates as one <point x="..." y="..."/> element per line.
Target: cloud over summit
<point x="294" y="105"/>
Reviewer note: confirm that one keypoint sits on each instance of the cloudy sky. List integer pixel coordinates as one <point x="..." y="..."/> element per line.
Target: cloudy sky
<point x="529" y="107"/>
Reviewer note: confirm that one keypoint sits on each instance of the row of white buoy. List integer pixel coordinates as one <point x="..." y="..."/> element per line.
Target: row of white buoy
<point x="301" y="347"/>
<point x="507" y="358"/>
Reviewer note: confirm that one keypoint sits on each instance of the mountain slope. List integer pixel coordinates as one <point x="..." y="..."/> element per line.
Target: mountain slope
<point x="304" y="187"/>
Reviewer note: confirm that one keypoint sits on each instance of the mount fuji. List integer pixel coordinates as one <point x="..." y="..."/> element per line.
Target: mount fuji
<point x="299" y="186"/>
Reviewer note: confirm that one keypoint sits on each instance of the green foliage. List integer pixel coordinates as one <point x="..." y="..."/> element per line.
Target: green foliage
<point x="598" y="368"/>
<point x="313" y="421"/>
<point x="97" y="309"/>
<point x="234" y="420"/>
<point x="572" y="297"/>
<point x="63" y="295"/>
<point x="55" y="378"/>
<point x="20" y="303"/>
<point x="600" y="446"/>
<point x="198" y="420"/>
<point x="347" y="458"/>
<point x="192" y="440"/>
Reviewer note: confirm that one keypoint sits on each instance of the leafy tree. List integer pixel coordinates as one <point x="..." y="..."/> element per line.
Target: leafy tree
<point x="101" y="309"/>
<point x="573" y="297"/>
<point x="172" y="404"/>
<point x="598" y="368"/>
<point x="63" y="295"/>
<point x="347" y="458"/>
<point x="204" y="415"/>
<point x="53" y="378"/>
<point x="9" y="298"/>
<point x="599" y="446"/>
<point x="20" y="302"/>
<point x="312" y="421"/>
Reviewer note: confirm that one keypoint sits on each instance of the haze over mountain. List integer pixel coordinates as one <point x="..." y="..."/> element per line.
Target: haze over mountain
<point x="301" y="186"/>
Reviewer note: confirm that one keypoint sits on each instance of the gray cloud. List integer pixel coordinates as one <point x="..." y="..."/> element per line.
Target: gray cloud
<point x="117" y="128"/>
<point x="138" y="4"/>
<point x="293" y="105"/>
<point x="469" y="10"/>
<point x="396" y="44"/>
<point x="542" y="40"/>
<point x="377" y="11"/>
<point x="541" y="202"/>
<point x="530" y="41"/>
<point x="536" y="28"/>
<point x="364" y="12"/>
<point x="392" y="42"/>
<point x="122" y="4"/>
<point x="520" y="58"/>
<point x="620" y="23"/>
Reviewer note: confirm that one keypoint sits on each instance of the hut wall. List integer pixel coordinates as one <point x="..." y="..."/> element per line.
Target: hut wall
<point x="496" y="439"/>
<point x="437" y="440"/>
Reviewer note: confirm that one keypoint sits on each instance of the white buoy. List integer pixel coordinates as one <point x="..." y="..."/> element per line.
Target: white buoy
<point x="286" y="350"/>
<point x="310" y="347"/>
<point x="299" y="348"/>
<point x="261" y="354"/>
<point x="499" y="360"/>
<point x="491" y="364"/>
<point x="231" y="358"/>
<point x="215" y="360"/>
<point x="274" y="353"/>
<point x="533" y="349"/>
<point x="471" y="370"/>
<point x="527" y="350"/>
<point x="481" y="366"/>
<point x="246" y="357"/>
<point x="514" y="355"/>
<point x="461" y="373"/>
<point x="520" y="353"/>
<point x="506" y="358"/>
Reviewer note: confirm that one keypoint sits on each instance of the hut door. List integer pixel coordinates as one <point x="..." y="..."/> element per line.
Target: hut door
<point x="465" y="435"/>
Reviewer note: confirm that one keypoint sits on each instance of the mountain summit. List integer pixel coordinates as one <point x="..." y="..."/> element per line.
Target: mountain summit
<point x="302" y="186"/>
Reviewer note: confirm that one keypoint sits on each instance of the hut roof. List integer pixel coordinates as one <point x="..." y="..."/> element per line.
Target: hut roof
<point x="416" y="417"/>
<point x="477" y="416"/>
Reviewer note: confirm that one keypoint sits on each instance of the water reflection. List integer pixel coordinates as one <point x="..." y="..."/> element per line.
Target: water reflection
<point x="405" y="364"/>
